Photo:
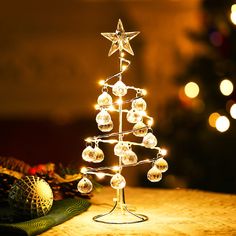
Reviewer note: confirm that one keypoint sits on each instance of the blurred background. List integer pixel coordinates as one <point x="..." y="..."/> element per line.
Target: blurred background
<point x="52" y="56"/>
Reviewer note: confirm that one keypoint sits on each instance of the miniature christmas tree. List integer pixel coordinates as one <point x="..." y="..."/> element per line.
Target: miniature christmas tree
<point x="125" y="156"/>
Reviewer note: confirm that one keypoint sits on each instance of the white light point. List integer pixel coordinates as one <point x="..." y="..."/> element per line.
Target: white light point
<point x="101" y="82"/>
<point x="163" y="152"/>
<point x="119" y="101"/>
<point x="115" y="168"/>
<point x="100" y="175"/>
<point x="233" y="111"/>
<point x="144" y="92"/>
<point x="222" y="124"/>
<point x="226" y="87"/>
<point x="83" y="170"/>
<point x="150" y="122"/>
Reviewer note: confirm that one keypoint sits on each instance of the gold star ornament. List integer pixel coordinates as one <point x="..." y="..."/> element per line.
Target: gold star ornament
<point x="120" y="39"/>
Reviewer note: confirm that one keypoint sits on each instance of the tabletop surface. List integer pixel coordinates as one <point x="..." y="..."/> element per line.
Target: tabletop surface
<point x="170" y="212"/>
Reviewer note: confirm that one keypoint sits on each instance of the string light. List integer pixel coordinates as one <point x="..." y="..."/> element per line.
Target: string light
<point x="212" y="119"/>
<point x="101" y="82"/>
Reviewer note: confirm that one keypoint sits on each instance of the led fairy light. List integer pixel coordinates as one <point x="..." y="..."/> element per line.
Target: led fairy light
<point x="134" y="111"/>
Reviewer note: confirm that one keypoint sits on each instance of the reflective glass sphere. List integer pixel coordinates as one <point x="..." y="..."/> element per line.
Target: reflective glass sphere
<point x="149" y="140"/>
<point x="103" y="117"/>
<point x="120" y="148"/>
<point x="104" y="99"/>
<point x="139" y="104"/>
<point x="117" y="181"/>
<point x="85" y="185"/>
<point x="107" y="127"/>
<point x="129" y="158"/>
<point x="161" y="164"/>
<point x="99" y="155"/>
<point x="154" y="174"/>
<point x="88" y="154"/>
<point x="119" y="88"/>
<point x="140" y="129"/>
<point x="133" y="116"/>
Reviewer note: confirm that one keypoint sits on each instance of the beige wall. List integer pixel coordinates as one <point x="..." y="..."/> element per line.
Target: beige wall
<point x="52" y="54"/>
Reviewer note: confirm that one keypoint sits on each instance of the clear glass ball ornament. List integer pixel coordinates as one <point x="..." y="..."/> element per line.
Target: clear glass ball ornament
<point x="140" y="129"/>
<point x="154" y="174"/>
<point x="84" y="185"/>
<point x="119" y="88"/>
<point x="129" y="158"/>
<point x="139" y="104"/>
<point x="103" y="117"/>
<point x="161" y="164"/>
<point x="104" y="99"/>
<point x="88" y="154"/>
<point x="107" y="127"/>
<point x="99" y="155"/>
<point x="117" y="181"/>
<point x="149" y="140"/>
<point x="133" y="116"/>
<point x="120" y="148"/>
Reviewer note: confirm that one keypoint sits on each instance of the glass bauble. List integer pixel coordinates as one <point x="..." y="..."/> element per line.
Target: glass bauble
<point x="119" y="88"/>
<point x="149" y="140"/>
<point x="133" y="116"/>
<point x="104" y="99"/>
<point x="30" y="197"/>
<point x="103" y="117"/>
<point x="99" y="155"/>
<point x="154" y="174"/>
<point x="88" y="154"/>
<point x="161" y="164"/>
<point x="129" y="158"/>
<point x="140" y="129"/>
<point x="85" y="185"/>
<point x="120" y="148"/>
<point x="139" y="104"/>
<point x="107" y="127"/>
<point x="117" y="181"/>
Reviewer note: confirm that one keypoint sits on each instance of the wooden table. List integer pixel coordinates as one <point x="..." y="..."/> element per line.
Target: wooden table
<point x="170" y="212"/>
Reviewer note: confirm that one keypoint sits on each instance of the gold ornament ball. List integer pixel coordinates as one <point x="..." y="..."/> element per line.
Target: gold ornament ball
<point x="30" y="197"/>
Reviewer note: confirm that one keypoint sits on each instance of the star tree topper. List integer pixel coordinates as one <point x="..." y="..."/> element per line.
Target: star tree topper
<point x="120" y="39"/>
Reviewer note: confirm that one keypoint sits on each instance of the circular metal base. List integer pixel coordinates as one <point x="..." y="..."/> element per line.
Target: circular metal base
<point x="120" y="215"/>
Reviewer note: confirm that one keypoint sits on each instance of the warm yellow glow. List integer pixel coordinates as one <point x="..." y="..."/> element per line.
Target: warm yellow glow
<point x="233" y="17"/>
<point x="212" y="119"/>
<point x="233" y="8"/>
<point x="226" y="87"/>
<point x="115" y="168"/>
<point x="143" y="113"/>
<point x="119" y="101"/>
<point x="88" y="140"/>
<point x="83" y="170"/>
<point x="97" y="107"/>
<point x="222" y="124"/>
<point x="233" y="111"/>
<point x="150" y="122"/>
<point x="191" y="90"/>
<point x="112" y="108"/>
<point x="163" y="152"/>
<point x="144" y="92"/>
<point x="122" y="54"/>
<point x="100" y="175"/>
<point x="124" y="67"/>
<point x="101" y="82"/>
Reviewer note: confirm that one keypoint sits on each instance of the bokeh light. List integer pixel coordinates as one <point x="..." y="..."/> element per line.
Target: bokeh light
<point x="191" y="90"/>
<point x="233" y="111"/>
<point x="233" y="14"/>
<point x="222" y="124"/>
<point x="226" y="87"/>
<point x="212" y="119"/>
